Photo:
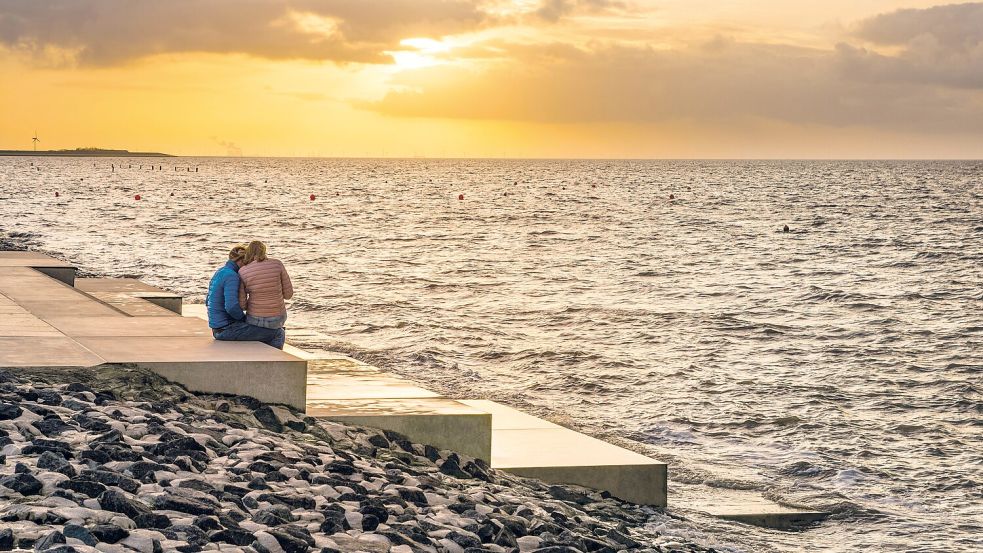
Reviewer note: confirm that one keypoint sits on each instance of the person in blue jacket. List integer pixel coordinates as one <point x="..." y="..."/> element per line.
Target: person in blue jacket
<point x="225" y="315"/>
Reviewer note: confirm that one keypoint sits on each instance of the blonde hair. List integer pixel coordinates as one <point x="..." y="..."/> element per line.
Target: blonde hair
<point x="255" y="251"/>
<point x="237" y="253"/>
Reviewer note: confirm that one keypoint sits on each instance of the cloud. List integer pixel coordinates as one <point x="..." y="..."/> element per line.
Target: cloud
<point x="941" y="45"/>
<point x="231" y="148"/>
<point x="722" y="83"/>
<point x="107" y="32"/>
<point x="554" y="10"/>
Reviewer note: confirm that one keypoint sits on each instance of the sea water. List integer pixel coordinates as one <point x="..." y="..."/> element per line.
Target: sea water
<point x="838" y="365"/>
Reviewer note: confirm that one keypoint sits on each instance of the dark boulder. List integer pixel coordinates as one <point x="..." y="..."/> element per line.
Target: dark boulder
<point x="80" y="533"/>
<point x="24" y="484"/>
<point x="9" y="411"/>
<point x="56" y="463"/>
<point x="117" y="502"/>
<point x="109" y="533"/>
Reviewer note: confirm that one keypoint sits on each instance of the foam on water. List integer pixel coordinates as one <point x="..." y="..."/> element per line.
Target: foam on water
<point x="838" y="365"/>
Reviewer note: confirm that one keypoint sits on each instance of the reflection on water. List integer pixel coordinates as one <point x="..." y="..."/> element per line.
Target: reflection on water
<point x="838" y="365"/>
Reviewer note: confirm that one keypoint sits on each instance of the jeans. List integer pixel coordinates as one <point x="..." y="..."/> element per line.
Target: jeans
<point x="240" y="331"/>
<point x="267" y="322"/>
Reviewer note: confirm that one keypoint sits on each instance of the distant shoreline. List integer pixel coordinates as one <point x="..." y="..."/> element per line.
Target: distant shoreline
<point x="81" y="152"/>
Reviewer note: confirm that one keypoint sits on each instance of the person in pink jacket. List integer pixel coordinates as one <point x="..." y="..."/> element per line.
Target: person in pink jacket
<point x="265" y="286"/>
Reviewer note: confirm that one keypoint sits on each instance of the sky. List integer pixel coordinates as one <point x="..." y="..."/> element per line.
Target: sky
<point x="496" y="78"/>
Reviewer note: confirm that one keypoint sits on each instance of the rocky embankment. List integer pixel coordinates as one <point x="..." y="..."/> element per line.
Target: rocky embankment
<point x="117" y="459"/>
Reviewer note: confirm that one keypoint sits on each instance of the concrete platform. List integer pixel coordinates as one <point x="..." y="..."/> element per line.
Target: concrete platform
<point x="113" y="290"/>
<point x="750" y="508"/>
<point x="45" y="322"/>
<point x="444" y="423"/>
<point x="531" y="447"/>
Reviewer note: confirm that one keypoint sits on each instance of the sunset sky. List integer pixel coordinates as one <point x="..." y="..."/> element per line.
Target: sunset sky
<point x="496" y="78"/>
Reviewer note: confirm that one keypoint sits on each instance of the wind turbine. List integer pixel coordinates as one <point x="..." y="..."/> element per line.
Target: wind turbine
<point x="36" y="140"/>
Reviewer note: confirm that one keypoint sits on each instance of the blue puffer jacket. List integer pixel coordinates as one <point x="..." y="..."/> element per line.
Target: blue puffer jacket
<point x="223" y="297"/>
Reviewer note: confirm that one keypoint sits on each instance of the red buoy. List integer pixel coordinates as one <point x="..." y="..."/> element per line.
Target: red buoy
<point x="460" y="196"/>
<point x="56" y="194"/>
<point x="312" y="197"/>
<point x="137" y="197"/>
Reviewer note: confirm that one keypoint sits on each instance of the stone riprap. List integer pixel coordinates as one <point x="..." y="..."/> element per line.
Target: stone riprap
<point x="118" y="459"/>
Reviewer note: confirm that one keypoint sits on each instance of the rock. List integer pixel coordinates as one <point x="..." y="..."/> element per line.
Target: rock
<point x="451" y="467"/>
<point x="274" y="515"/>
<point x="24" y="484"/>
<point x="293" y="539"/>
<point x="109" y="533"/>
<point x="51" y="426"/>
<point x="152" y="521"/>
<point x="49" y="540"/>
<point x="340" y="467"/>
<point x="84" y="487"/>
<point x="55" y="463"/>
<point x="115" y="501"/>
<point x="9" y="411"/>
<point x="80" y="533"/>
<point x="369" y="523"/>
<point x="413" y="496"/>
<point x="618" y="537"/>
<point x="234" y="536"/>
<point x="108" y="478"/>
<point x="6" y="539"/>
<point x="563" y="494"/>
<point x="528" y="543"/>
<point x="293" y="501"/>
<point x="268" y="419"/>
<point x="190" y="505"/>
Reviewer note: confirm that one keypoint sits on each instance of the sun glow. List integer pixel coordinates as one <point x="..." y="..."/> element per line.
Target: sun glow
<point x="426" y="52"/>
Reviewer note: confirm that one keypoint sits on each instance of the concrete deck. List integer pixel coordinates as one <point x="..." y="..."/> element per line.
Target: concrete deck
<point x="44" y="321"/>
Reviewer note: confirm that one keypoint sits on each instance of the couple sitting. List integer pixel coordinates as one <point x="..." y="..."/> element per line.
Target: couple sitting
<point x="260" y="284"/>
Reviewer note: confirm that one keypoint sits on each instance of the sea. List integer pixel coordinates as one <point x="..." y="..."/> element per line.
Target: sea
<point x="659" y="305"/>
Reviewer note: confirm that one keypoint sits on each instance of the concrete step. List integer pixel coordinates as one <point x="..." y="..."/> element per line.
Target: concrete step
<point x="54" y="268"/>
<point x="113" y="290"/>
<point x="345" y="390"/>
<point x="440" y="422"/>
<point x="750" y="508"/>
<point x="532" y="447"/>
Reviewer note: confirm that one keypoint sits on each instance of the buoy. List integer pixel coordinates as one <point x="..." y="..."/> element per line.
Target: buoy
<point x="672" y="196"/>
<point x="172" y="193"/>
<point x="313" y="197"/>
<point x="785" y="228"/>
<point x="137" y="197"/>
<point x="56" y="194"/>
<point x="593" y="186"/>
<point x="460" y="196"/>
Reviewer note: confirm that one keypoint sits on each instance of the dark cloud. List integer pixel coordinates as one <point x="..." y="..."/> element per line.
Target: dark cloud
<point x="555" y="10"/>
<point x="106" y="32"/>
<point x="941" y="45"/>
<point x="952" y="25"/>
<point x="720" y="83"/>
